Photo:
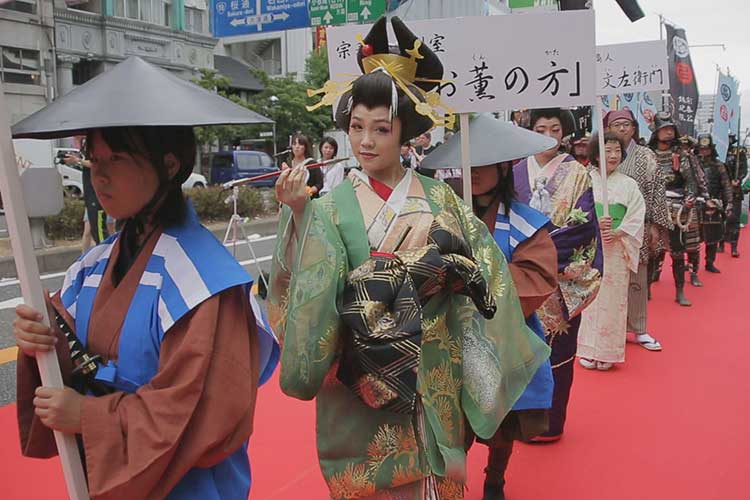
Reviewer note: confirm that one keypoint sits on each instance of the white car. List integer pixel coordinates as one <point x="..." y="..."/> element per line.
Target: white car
<point x="194" y="181"/>
<point x="72" y="178"/>
<point x="73" y="183"/>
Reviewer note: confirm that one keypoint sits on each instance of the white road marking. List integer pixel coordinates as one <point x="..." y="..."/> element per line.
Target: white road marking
<point x="11" y="303"/>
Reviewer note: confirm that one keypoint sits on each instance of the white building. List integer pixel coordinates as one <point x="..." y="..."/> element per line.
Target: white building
<point x="27" y="55"/>
<point x="47" y="47"/>
<point x="704" y="116"/>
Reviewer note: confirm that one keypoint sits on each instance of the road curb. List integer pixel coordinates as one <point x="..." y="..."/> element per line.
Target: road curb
<point x="58" y="259"/>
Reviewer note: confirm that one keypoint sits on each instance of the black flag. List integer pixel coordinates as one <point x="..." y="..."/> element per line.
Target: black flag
<point x="682" y="84"/>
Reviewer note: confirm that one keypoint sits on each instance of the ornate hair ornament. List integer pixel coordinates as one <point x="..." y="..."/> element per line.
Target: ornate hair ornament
<point x="403" y="71"/>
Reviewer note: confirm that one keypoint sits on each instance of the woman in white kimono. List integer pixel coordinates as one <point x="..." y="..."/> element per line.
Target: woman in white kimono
<point x="601" y="341"/>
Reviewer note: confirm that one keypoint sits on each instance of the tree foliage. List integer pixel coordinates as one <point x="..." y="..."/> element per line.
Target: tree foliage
<point x="287" y="109"/>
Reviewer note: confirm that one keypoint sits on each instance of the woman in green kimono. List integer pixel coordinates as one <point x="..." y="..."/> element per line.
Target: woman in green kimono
<point x="383" y="291"/>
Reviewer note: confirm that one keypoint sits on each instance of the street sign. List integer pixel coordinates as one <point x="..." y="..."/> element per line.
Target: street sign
<point x="243" y="17"/>
<point x="527" y="5"/>
<point x="364" y="11"/>
<point x="327" y="12"/>
<point x="479" y="78"/>
<point x="337" y="12"/>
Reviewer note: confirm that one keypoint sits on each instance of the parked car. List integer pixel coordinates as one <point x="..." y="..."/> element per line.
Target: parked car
<point x="232" y="165"/>
<point x="72" y="177"/>
<point x="194" y="181"/>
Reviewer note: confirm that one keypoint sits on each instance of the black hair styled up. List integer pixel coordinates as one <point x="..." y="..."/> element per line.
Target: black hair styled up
<point x="375" y="90"/>
<point x="154" y="143"/>
<point x="332" y="142"/>
<point x="567" y="120"/>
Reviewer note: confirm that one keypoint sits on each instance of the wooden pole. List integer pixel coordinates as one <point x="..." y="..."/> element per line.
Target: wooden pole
<point x="33" y="294"/>
<point x="602" y="156"/>
<point x="465" y="157"/>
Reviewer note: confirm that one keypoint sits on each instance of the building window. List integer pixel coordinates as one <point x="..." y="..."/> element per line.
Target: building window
<point x="19" y="66"/>
<point x="194" y="20"/>
<point x="149" y="11"/>
<point x="167" y="13"/>
<point x="85" y="70"/>
<point x="25" y="6"/>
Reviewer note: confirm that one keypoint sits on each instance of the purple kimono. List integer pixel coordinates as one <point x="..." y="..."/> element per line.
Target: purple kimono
<point x="569" y="201"/>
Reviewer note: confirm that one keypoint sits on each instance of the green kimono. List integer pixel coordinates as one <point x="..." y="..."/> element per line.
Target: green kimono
<point x="469" y="366"/>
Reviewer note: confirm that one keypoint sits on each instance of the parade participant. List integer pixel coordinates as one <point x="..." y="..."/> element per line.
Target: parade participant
<point x="580" y="148"/>
<point x="520" y="232"/>
<point x="737" y="169"/>
<point x="560" y="187"/>
<point x="639" y="163"/>
<point x="601" y="341"/>
<point x="302" y="154"/>
<point x="720" y="199"/>
<point x="396" y="356"/>
<point x="408" y="158"/>
<point x="103" y="224"/>
<point x="682" y="183"/>
<point x="333" y="175"/>
<point x="161" y="310"/>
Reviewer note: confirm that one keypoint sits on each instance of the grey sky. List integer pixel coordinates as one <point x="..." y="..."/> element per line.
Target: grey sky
<point x="705" y="22"/>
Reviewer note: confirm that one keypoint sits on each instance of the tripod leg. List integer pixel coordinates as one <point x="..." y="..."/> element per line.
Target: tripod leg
<point x="255" y="257"/>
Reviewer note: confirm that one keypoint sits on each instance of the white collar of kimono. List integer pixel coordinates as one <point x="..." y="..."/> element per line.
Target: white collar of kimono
<point x="534" y="170"/>
<point x="400" y="192"/>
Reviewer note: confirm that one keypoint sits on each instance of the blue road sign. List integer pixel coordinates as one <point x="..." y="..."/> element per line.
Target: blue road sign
<point x="243" y="17"/>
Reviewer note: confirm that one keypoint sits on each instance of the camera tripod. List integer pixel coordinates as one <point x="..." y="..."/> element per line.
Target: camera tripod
<point x="230" y="236"/>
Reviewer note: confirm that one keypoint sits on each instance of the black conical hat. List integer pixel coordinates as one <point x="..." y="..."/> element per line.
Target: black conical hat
<point x="133" y="93"/>
<point x="429" y="66"/>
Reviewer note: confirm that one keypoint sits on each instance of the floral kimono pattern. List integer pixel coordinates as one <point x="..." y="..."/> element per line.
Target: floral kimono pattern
<point x="468" y="365"/>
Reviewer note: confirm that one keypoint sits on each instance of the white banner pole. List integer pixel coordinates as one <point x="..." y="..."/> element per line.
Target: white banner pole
<point x="602" y="156"/>
<point x="465" y="157"/>
<point x="33" y="294"/>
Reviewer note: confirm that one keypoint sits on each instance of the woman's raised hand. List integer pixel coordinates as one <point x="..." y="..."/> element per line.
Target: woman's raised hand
<point x="291" y="188"/>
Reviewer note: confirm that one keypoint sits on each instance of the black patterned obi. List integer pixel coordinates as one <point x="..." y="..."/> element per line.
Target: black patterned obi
<point x="382" y="307"/>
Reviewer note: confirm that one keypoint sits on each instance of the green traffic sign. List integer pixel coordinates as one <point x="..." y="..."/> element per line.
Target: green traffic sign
<point x="334" y="12"/>
<point x="364" y="11"/>
<point x="327" y="12"/>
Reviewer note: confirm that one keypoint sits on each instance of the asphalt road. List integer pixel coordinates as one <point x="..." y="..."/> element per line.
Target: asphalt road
<point x="10" y="296"/>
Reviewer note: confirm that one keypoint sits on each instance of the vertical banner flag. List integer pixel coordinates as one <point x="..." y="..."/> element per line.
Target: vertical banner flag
<point x="683" y="87"/>
<point x="726" y="114"/>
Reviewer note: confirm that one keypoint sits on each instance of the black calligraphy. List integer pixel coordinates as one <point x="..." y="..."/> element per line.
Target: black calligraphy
<point x="552" y="78"/>
<point x="513" y="76"/>
<point x="343" y="49"/>
<point x="436" y="42"/>
<point x="449" y="85"/>
<point x="632" y="77"/>
<point x="481" y="79"/>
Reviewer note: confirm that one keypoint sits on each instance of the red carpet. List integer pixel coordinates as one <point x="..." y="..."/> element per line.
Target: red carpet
<point x="669" y="425"/>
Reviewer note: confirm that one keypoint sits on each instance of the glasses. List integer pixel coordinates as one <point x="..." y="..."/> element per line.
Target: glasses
<point x="621" y="125"/>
